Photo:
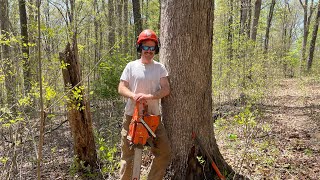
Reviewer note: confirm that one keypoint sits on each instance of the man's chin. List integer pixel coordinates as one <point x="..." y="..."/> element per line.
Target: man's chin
<point x="148" y="56"/>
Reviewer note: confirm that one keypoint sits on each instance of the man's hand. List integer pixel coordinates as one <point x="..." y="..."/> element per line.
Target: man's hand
<point x="140" y="97"/>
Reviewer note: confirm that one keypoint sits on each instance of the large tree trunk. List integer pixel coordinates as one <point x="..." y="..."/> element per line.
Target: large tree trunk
<point x="187" y="53"/>
<point x="25" y="46"/>
<point x="314" y="38"/>
<point x="270" y="15"/>
<point x="257" y="8"/>
<point x="79" y="115"/>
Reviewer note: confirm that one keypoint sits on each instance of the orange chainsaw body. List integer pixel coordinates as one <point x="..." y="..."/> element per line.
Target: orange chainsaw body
<point x="138" y="133"/>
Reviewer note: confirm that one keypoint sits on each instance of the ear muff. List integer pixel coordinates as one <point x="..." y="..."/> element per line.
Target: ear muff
<point x="158" y="47"/>
<point x="138" y="46"/>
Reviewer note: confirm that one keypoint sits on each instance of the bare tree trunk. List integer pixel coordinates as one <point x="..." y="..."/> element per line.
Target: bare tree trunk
<point x="119" y="24"/>
<point x="257" y="8"/>
<point x="230" y="39"/>
<point x="32" y="34"/>
<point x="6" y="51"/>
<point x="288" y="25"/>
<point x="188" y="58"/>
<point x="42" y="114"/>
<point x="79" y="115"/>
<point x="137" y="17"/>
<point x="230" y="31"/>
<point x="25" y="46"/>
<point x="159" y="21"/>
<point x="314" y="38"/>
<point x="306" y="24"/>
<point x="111" y="27"/>
<point x="245" y="17"/>
<point x="147" y="13"/>
<point x="125" y="26"/>
<point x="97" y="26"/>
<point x="249" y="18"/>
<point x="269" y="20"/>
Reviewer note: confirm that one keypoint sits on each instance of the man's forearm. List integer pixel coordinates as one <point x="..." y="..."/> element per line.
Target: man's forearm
<point x="124" y="91"/>
<point x="161" y="93"/>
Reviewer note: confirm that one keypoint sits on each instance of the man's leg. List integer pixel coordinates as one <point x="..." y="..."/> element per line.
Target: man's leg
<point x="162" y="153"/>
<point x="127" y="154"/>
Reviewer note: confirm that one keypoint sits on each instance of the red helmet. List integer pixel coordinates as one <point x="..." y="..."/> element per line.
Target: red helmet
<point x="147" y="34"/>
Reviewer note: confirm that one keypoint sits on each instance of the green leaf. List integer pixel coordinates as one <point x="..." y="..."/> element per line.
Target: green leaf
<point x="50" y="93"/>
<point x="232" y="137"/>
<point x="2" y="78"/>
<point x="101" y="148"/>
<point x="3" y="160"/>
<point x="6" y="125"/>
<point x="24" y="101"/>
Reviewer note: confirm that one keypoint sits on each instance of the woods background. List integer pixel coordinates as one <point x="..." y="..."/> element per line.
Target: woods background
<point x="255" y="44"/>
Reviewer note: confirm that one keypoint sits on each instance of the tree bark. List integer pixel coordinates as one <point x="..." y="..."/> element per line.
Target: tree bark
<point x="137" y="17"/>
<point x="97" y="32"/>
<point x="25" y="46"/>
<point x="245" y="17"/>
<point x="186" y="51"/>
<point x="125" y="26"/>
<point x="5" y="55"/>
<point x="306" y="24"/>
<point x="230" y="31"/>
<point x="314" y="39"/>
<point x="111" y="35"/>
<point x="79" y="115"/>
<point x="269" y="20"/>
<point x="119" y="24"/>
<point x="257" y="8"/>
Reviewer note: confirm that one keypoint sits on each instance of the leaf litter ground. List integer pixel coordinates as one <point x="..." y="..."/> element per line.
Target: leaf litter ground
<point x="285" y="143"/>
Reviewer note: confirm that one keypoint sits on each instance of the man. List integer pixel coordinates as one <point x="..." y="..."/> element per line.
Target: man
<point x="145" y="81"/>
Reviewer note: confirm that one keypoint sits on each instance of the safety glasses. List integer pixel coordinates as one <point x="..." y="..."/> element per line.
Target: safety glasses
<point x="146" y="48"/>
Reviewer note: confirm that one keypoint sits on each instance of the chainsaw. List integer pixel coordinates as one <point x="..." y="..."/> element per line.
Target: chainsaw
<point x="141" y="131"/>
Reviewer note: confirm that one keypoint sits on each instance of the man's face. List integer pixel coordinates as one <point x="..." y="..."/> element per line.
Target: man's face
<point x="148" y="49"/>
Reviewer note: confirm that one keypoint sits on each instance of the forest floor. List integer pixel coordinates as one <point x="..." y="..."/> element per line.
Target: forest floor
<point x="277" y="139"/>
<point x="281" y="139"/>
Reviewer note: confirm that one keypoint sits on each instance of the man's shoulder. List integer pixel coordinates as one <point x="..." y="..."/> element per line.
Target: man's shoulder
<point x="158" y="63"/>
<point x="133" y="63"/>
<point x="137" y="61"/>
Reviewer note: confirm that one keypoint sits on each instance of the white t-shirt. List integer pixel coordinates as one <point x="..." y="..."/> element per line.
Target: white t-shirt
<point x="143" y="78"/>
